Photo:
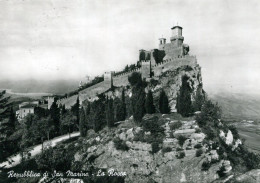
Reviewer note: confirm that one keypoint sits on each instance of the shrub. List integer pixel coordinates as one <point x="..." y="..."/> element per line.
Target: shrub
<point x="120" y="144"/>
<point x="166" y="149"/>
<point x="179" y="149"/>
<point x="210" y="135"/>
<point x="139" y="137"/>
<point x="155" y="147"/>
<point x="197" y="146"/>
<point x="221" y="171"/>
<point x="181" y="140"/>
<point x="197" y="130"/>
<point x="199" y="152"/>
<point x="205" y="165"/>
<point x="210" y="113"/>
<point x="234" y="131"/>
<point x="176" y="125"/>
<point x="180" y="155"/>
<point x="171" y="135"/>
<point x="152" y="125"/>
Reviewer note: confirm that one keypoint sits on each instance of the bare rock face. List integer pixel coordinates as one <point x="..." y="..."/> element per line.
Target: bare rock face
<point x="171" y="81"/>
<point x="142" y="166"/>
<point x="228" y="138"/>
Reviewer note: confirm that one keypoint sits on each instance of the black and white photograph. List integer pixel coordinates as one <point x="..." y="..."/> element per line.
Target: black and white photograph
<point x="129" y="91"/>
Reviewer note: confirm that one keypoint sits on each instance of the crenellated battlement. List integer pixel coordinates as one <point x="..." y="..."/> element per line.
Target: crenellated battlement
<point x="153" y="63"/>
<point x="190" y="58"/>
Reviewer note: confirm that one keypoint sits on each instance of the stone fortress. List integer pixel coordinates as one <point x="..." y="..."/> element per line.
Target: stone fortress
<point x="153" y="63"/>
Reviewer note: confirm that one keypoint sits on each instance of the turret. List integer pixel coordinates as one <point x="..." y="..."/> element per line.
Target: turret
<point x="162" y="43"/>
<point x="177" y="38"/>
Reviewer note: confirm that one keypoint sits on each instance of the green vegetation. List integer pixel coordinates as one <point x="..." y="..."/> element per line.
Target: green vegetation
<point x="199" y="98"/>
<point x="205" y="165"/>
<point x="149" y="106"/>
<point x="110" y="113"/>
<point x="155" y="147"/>
<point x="138" y="96"/>
<point x="180" y="155"/>
<point x="175" y="125"/>
<point x="120" y="144"/>
<point x="166" y="149"/>
<point x="197" y="146"/>
<point x="199" y="152"/>
<point x="164" y="103"/>
<point x="181" y="140"/>
<point x="184" y="105"/>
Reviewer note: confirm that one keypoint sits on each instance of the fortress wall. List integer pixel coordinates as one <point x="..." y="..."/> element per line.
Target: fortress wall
<point x="173" y="64"/>
<point x="122" y="79"/>
<point x="87" y="93"/>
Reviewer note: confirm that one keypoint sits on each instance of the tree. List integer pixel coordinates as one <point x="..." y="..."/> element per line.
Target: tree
<point x="138" y="96"/>
<point x="62" y="110"/>
<point x="3" y="105"/>
<point x="184" y="106"/>
<point x="119" y="109"/>
<point x="55" y="115"/>
<point x="40" y="112"/>
<point x="199" y="98"/>
<point x="149" y="106"/>
<point x="110" y="113"/>
<point x="164" y="103"/>
<point x="210" y="114"/>
<point x="82" y="123"/>
<point x="68" y="122"/>
<point x="126" y="69"/>
<point x="75" y="110"/>
<point x="123" y="104"/>
<point x="47" y="126"/>
<point x="97" y="117"/>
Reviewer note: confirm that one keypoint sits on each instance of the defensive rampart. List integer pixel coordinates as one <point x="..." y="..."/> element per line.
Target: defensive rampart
<point x="122" y="79"/>
<point x="173" y="63"/>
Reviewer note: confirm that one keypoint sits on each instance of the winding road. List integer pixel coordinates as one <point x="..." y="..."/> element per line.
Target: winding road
<point x="16" y="159"/>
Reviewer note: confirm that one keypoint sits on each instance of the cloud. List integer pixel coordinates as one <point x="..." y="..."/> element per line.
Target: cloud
<point x="70" y="39"/>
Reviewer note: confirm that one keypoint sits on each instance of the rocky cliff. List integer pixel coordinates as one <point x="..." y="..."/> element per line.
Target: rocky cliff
<point x="139" y="163"/>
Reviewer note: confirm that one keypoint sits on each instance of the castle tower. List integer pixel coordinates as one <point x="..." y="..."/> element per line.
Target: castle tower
<point x="162" y="43"/>
<point x="177" y="38"/>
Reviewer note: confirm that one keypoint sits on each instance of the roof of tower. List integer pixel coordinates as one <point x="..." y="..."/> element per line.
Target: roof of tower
<point x="176" y="26"/>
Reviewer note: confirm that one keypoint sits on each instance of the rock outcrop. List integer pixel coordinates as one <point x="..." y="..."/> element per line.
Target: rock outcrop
<point x="143" y="166"/>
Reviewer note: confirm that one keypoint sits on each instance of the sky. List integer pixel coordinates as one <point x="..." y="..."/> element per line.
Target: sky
<point x="69" y="39"/>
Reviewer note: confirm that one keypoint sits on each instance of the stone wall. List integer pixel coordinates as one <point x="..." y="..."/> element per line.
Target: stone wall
<point x="173" y="63"/>
<point x="122" y="79"/>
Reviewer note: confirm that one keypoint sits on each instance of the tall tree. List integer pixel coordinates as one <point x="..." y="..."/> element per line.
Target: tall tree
<point x="55" y="115"/>
<point x="164" y="103"/>
<point x="75" y="110"/>
<point x="110" y="113"/>
<point x="3" y="105"/>
<point x="199" y="98"/>
<point x="82" y="122"/>
<point x="123" y="104"/>
<point x="67" y="122"/>
<point x="184" y="106"/>
<point x="7" y="126"/>
<point x="149" y="106"/>
<point x="138" y="96"/>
